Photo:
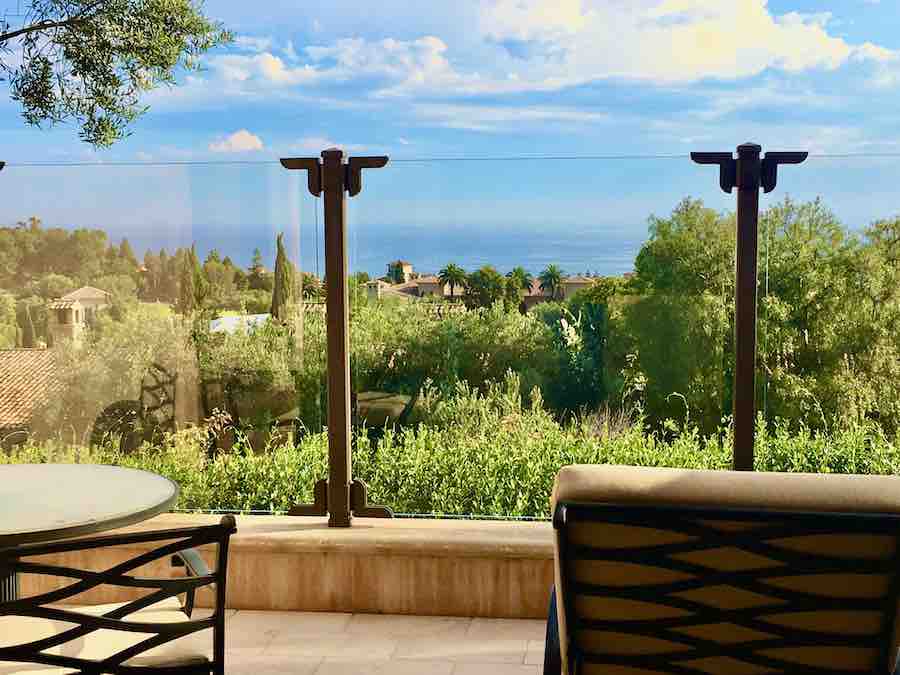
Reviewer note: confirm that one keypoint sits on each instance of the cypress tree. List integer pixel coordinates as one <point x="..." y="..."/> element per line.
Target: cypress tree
<point x="282" y="291"/>
<point x="201" y="286"/>
<point x="187" y="292"/>
<point x="29" y="334"/>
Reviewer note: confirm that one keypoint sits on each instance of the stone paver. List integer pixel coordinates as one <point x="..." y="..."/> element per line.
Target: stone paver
<point x="309" y="643"/>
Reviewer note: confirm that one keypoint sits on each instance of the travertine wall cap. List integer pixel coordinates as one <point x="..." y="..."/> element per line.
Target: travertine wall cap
<point x="400" y="536"/>
<point x="728" y="489"/>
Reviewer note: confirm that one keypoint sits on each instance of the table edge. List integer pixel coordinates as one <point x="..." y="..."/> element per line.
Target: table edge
<point x="97" y="526"/>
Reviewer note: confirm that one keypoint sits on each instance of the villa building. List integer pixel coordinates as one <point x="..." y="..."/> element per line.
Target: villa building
<point x="430" y="286"/>
<point x="400" y="271"/>
<point x="72" y="313"/>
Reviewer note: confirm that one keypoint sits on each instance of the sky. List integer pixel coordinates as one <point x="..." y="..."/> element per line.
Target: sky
<point x="483" y="79"/>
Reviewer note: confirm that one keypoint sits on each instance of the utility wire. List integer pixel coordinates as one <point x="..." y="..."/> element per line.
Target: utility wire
<point x="427" y="160"/>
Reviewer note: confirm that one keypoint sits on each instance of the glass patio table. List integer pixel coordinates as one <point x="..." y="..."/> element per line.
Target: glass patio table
<point x="47" y="502"/>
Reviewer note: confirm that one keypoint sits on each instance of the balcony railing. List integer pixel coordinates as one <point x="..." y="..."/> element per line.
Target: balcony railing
<point x="177" y="368"/>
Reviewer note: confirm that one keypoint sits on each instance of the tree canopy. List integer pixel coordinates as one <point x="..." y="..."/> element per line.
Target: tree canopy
<point x="453" y="276"/>
<point x="90" y="61"/>
<point x="551" y="281"/>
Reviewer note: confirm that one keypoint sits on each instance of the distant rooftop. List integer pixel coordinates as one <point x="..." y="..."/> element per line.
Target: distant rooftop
<point x="27" y="378"/>
<point x="87" y="293"/>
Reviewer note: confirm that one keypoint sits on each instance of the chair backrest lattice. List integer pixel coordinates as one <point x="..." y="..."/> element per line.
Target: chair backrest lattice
<point x="51" y="650"/>
<point x="698" y="591"/>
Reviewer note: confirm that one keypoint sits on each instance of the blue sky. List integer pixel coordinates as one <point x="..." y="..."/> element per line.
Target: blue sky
<point x="478" y="78"/>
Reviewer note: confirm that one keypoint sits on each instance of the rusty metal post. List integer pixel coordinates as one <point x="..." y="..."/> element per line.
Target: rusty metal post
<point x="340" y="496"/>
<point x="747" y="173"/>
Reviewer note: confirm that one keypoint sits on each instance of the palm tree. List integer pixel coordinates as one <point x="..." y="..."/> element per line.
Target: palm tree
<point x="551" y="281"/>
<point x="523" y="278"/>
<point x="452" y="276"/>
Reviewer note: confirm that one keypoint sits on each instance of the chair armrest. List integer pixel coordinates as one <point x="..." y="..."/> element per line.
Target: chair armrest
<point x="190" y="559"/>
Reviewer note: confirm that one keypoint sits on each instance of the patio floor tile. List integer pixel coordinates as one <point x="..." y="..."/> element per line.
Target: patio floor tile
<point x="397" y="626"/>
<point x="312" y="643"/>
<point x="468" y="649"/>
<point x="494" y="669"/>
<point x="534" y="655"/>
<point x="269" y="664"/>
<point x="348" y="667"/>
<point x="344" y="646"/>
<point x="508" y="629"/>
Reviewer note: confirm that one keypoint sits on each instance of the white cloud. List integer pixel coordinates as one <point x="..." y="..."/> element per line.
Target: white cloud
<point x="529" y="20"/>
<point x="239" y="141"/>
<point x="252" y="43"/>
<point x="316" y="144"/>
<point x="496" y="118"/>
<point x="547" y="45"/>
<point x="263" y="68"/>
<point x="527" y="46"/>
<point x="667" y="40"/>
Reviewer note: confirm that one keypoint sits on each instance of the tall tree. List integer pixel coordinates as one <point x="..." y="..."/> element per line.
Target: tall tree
<point x="259" y="278"/>
<point x="201" y="284"/>
<point x="551" y="281"/>
<point x="282" y="291"/>
<point x="126" y="253"/>
<point x="29" y="334"/>
<point x="187" y="291"/>
<point x="89" y="61"/>
<point x="453" y="276"/>
<point x="521" y="277"/>
<point x="485" y="287"/>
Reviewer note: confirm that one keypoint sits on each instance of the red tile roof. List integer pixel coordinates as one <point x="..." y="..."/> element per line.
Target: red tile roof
<point x="87" y="293"/>
<point x="27" y="378"/>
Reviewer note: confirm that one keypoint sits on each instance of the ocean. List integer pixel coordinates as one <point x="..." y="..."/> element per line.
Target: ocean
<point x="576" y="250"/>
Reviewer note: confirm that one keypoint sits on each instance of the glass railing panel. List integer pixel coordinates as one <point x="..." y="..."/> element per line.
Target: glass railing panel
<point x="599" y="356"/>
<point x="138" y="325"/>
<point x="468" y="391"/>
<point x="829" y="336"/>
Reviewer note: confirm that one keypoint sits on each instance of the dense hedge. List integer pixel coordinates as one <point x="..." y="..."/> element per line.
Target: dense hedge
<point x="477" y="454"/>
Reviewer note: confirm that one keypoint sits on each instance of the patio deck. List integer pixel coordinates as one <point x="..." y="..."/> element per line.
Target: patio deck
<point x="315" y="643"/>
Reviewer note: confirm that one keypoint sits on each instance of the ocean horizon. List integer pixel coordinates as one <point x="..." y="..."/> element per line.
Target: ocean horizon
<point x="576" y="250"/>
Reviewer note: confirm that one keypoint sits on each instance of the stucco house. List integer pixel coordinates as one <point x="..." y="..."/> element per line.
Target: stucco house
<point x="400" y="269"/>
<point x="72" y="312"/>
<point x="431" y="286"/>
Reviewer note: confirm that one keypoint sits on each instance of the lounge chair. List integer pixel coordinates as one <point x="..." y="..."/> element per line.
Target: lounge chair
<point x="153" y="635"/>
<point x="703" y="572"/>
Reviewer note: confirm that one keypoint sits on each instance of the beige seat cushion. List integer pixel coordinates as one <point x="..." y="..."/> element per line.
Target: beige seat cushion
<point x="627" y="486"/>
<point x="100" y="644"/>
<point x="728" y="489"/>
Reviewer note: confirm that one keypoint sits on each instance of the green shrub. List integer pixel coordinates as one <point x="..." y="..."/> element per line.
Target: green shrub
<point x="478" y="453"/>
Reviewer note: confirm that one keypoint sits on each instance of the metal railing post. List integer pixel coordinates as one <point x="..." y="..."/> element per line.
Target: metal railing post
<point x="340" y="497"/>
<point x="748" y="181"/>
<point x="747" y="173"/>
<point x="338" y="327"/>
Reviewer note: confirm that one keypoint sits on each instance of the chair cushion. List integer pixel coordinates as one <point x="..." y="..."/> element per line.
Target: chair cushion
<point x="627" y="486"/>
<point x="728" y="489"/>
<point x="99" y="644"/>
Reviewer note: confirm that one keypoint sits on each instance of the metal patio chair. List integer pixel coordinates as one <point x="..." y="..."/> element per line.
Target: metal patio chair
<point x="703" y="572"/>
<point x="149" y="635"/>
